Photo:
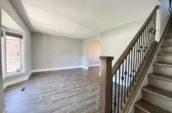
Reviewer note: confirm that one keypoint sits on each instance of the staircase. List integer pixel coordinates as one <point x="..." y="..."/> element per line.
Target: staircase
<point x="157" y="95"/>
<point x="121" y="82"/>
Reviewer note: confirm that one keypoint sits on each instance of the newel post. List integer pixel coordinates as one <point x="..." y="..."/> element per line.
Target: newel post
<point x="106" y="84"/>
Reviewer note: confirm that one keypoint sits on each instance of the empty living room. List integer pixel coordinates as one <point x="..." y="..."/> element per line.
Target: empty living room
<point x="85" y="56"/>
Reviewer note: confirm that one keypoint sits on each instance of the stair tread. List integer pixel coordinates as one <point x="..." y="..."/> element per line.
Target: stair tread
<point x="149" y="108"/>
<point x="165" y="53"/>
<point x="161" y="76"/>
<point x="158" y="91"/>
<point x="163" y="64"/>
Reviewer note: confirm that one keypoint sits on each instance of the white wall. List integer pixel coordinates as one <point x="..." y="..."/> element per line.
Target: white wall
<point x="164" y="14"/>
<point x="50" y="51"/>
<point x="114" y="42"/>
<point x="2" y="104"/>
<point x="6" y="5"/>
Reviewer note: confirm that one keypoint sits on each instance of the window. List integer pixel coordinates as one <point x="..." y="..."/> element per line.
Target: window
<point x="13" y="53"/>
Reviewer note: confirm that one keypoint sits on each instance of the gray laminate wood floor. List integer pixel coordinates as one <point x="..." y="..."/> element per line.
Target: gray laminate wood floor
<point x="65" y="91"/>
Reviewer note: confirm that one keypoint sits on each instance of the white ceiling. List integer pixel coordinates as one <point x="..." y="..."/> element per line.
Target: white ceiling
<point x="9" y="23"/>
<point x="80" y="18"/>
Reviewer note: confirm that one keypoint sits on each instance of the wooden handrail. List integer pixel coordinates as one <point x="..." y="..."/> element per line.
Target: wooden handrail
<point x="129" y="47"/>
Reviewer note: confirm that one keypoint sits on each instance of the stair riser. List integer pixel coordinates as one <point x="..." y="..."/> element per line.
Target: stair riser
<point x="138" y="110"/>
<point x="169" y="30"/>
<point x="166" y="49"/>
<point x="169" y="35"/>
<point x="160" y="83"/>
<point x="164" y="58"/>
<point x="167" y="41"/>
<point x="163" y="70"/>
<point x="157" y="100"/>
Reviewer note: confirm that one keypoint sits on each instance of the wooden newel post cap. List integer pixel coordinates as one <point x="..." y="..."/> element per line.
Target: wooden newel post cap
<point x="106" y="57"/>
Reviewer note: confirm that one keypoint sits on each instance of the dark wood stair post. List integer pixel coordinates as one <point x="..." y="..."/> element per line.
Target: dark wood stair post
<point x="106" y="84"/>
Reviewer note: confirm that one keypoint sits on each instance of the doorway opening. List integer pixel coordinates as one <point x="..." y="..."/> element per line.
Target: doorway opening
<point x="93" y="54"/>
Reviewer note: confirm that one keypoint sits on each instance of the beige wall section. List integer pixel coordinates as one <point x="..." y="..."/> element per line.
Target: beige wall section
<point x="7" y="6"/>
<point x="94" y="49"/>
<point x="2" y="103"/>
<point x="50" y="51"/>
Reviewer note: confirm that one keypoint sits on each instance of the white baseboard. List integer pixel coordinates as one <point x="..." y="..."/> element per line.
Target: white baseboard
<point x="55" y="69"/>
<point x="21" y="79"/>
<point x="29" y="75"/>
<point x="84" y="67"/>
<point x="94" y="65"/>
<point x="5" y="111"/>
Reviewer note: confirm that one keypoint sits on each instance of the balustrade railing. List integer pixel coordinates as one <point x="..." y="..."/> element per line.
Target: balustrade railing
<point x="117" y="82"/>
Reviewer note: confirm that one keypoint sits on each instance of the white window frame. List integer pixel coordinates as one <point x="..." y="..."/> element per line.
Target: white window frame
<point x="23" y="64"/>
